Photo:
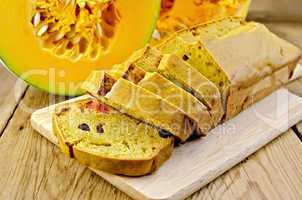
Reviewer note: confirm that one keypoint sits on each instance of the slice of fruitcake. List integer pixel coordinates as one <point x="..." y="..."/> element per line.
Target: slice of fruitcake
<point x="104" y="139"/>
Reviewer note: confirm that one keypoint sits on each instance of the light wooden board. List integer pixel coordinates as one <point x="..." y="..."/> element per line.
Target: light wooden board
<point x="195" y="164"/>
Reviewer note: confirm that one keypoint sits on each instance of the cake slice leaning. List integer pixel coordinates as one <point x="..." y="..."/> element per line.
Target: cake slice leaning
<point x="170" y="91"/>
<point x="199" y="57"/>
<point x="182" y="74"/>
<point x="102" y="138"/>
<point x="140" y="104"/>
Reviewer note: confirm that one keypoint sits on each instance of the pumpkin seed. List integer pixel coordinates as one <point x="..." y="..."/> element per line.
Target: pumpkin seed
<point x="37" y="19"/>
<point x="42" y="30"/>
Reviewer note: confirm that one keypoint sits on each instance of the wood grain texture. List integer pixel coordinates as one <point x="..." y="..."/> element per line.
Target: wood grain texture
<point x="211" y="156"/>
<point x="11" y="92"/>
<point x="24" y="153"/>
<point x="33" y="168"/>
<point x="267" y="174"/>
<point x="279" y="168"/>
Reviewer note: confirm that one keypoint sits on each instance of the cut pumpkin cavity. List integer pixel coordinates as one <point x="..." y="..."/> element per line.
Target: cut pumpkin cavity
<point x="54" y="45"/>
<point x="75" y="28"/>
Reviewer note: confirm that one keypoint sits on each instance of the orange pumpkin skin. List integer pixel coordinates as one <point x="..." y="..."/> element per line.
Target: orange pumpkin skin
<point x="23" y="50"/>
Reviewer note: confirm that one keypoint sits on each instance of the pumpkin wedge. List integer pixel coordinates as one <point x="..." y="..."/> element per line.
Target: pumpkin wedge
<point x="55" y="44"/>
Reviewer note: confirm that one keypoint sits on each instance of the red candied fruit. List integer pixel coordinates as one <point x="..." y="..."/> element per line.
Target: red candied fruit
<point x="99" y="107"/>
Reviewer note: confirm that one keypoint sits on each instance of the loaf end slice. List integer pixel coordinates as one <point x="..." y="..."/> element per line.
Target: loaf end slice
<point x="251" y="52"/>
<point x="104" y="139"/>
<point x="240" y="99"/>
<point x="264" y="56"/>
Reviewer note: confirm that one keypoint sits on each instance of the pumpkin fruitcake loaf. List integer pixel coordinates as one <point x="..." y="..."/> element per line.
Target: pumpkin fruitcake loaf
<point x="140" y="104"/>
<point x="218" y="55"/>
<point x="104" y="139"/>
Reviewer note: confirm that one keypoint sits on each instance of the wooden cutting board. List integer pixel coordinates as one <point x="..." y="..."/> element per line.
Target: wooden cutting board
<point x="197" y="163"/>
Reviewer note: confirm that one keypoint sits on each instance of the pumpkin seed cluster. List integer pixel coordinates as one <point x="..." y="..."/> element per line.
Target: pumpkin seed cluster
<point x="75" y="29"/>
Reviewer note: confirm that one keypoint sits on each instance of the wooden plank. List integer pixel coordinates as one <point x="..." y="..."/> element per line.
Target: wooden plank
<point x="23" y="158"/>
<point x="275" y="172"/>
<point x="67" y="179"/>
<point x="203" y="194"/>
<point x="209" y="161"/>
<point x="32" y="168"/>
<point x="11" y="92"/>
<point x="298" y="130"/>
<point x="272" y="10"/>
<point x="272" y="173"/>
<point x="237" y="183"/>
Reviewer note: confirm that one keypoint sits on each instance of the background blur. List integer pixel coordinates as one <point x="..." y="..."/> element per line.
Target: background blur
<point x="276" y="10"/>
<point x="284" y="17"/>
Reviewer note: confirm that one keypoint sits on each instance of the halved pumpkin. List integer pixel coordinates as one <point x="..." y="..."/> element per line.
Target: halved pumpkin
<point x="179" y="14"/>
<point x="55" y="44"/>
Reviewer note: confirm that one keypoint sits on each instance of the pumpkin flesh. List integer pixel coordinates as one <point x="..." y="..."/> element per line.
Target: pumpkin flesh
<point x="24" y="52"/>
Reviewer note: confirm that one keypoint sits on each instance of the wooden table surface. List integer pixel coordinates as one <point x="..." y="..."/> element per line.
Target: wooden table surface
<point x="33" y="168"/>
